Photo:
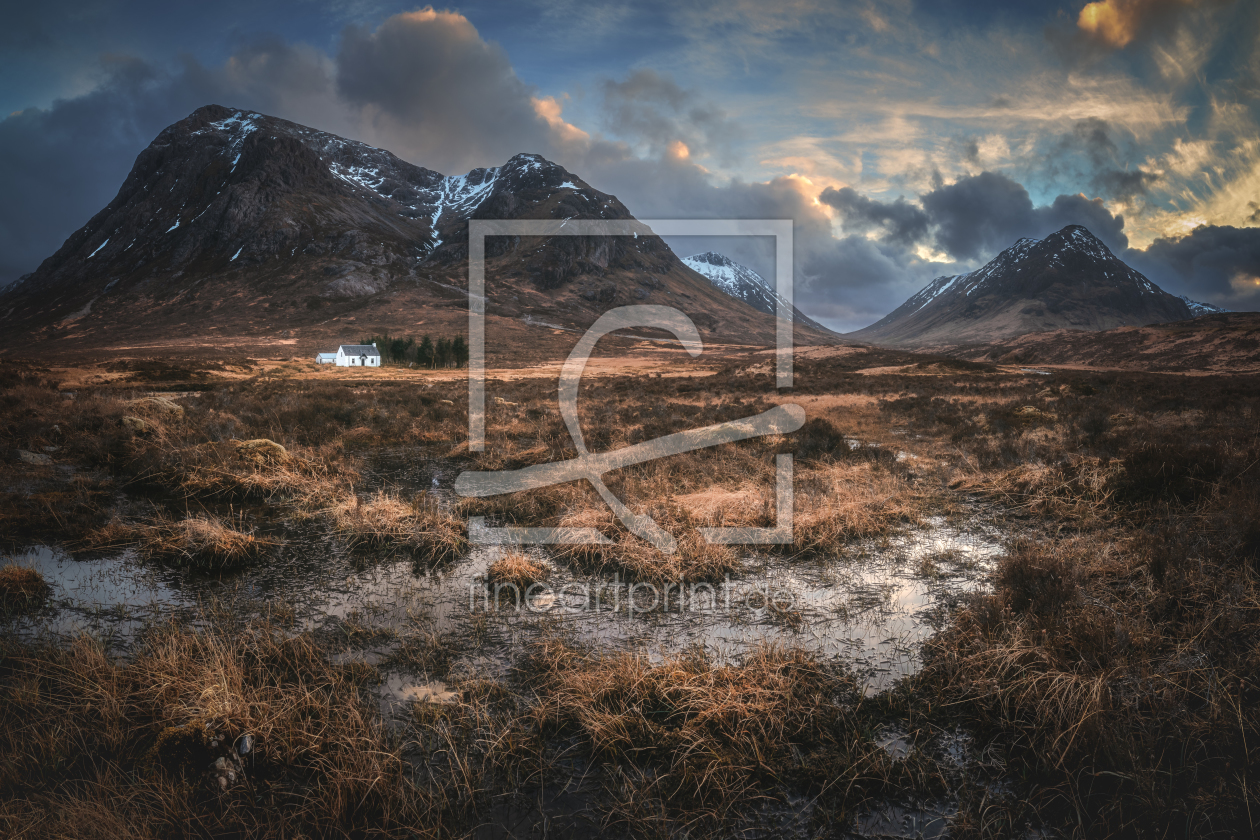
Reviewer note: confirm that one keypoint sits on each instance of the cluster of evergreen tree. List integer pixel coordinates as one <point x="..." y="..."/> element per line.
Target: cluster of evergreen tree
<point x="426" y="353"/>
<point x="443" y="353"/>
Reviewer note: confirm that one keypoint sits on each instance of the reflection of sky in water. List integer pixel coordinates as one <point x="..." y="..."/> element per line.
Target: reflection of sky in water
<point x="108" y="598"/>
<point x="871" y="607"/>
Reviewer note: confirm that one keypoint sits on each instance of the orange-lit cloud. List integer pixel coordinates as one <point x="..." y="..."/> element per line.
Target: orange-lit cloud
<point x="550" y="109"/>
<point x="1117" y="22"/>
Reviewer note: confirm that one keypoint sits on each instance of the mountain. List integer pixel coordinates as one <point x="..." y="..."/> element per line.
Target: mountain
<point x="743" y="283"/>
<point x="236" y="228"/>
<point x="1197" y="308"/>
<point x="1069" y="280"/>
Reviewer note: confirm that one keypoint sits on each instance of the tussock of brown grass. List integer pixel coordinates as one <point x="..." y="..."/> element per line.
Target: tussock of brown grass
<point x="91" y="742"/>
<point x="710" y="736"/>
<point x="1122" y="663"/>
<point x="21" y="588"/>
<point x="844" y="501"/>
<point x="248" y="470"/>
<point x="520" y="570"/>
<point x="203" y="540"/>
<point x="382" y="520"/>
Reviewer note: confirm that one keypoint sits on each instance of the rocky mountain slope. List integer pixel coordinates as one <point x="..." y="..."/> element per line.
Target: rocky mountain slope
<point x="236" y="228"/>
<point x="1197" y="308"/>
<point x="743" y="283"/>
<point x="1069" y="280"/>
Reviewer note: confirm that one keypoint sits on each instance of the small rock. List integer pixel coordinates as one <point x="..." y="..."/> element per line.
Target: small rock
<point x="135" y="425"/>
<point x="159" y="405"/>
<point x="51" y="448"/>
<point x="37" y="459"/>
<point x="262" y="450"/>
<point x="245" y="744"/>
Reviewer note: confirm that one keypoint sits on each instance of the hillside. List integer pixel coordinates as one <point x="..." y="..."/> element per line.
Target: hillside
<point x="236" y="230"/>
<point x="740" y="281"/>
<point x="1214" y="343"/>
<point x="1069" y="280"/>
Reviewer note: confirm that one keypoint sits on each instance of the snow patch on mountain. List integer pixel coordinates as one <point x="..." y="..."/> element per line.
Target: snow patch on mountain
<point x="1198" y="308"/>
<point x="743" y="283"/>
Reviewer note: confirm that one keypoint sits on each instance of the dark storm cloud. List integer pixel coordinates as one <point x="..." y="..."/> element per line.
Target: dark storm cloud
<point x="1124" y="185"/>
<point x="430" y="86"/>
<point x="1091" y="135"/>
<point x="981" y="214"/>
<point x="59" y="166"/>
<point x="650" y="108"/>
<point x="903" y="222"/>
<point x="1217" y="263"/>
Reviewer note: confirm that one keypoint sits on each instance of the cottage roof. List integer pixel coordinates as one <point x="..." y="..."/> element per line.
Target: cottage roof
<point x="359" y="350"/>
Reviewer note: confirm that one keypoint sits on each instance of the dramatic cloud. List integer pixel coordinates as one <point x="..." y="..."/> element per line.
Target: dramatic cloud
<point x="1124" y="185"/>
<point x="974" y="217"/>
<point x="429" y="88"/>
<point x="955" y="126"/>
<point x="1216" y="263"/>
<point x="651" y="109"/>
<point x="903" y="222"/>
<point x="1116" y="23"/>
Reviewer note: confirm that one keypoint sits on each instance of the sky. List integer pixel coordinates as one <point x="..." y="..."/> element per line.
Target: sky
<point x="907" y="140"/>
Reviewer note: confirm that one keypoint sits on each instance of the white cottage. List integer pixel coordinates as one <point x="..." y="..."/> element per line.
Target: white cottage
<point x="358" y="355"/>
<point x="325" y="358"/>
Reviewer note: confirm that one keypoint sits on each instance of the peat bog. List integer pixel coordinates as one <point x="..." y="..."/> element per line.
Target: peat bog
<point x="1019" y="602"/>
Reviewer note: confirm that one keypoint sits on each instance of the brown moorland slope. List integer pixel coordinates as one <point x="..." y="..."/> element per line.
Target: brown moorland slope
<point x="1220" y="343"/>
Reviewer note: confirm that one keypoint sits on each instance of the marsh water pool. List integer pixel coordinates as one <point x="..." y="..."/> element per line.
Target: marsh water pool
<point x="869" y="608"/>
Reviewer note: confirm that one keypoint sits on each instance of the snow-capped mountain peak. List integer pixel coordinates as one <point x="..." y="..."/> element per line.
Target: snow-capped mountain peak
<point x="740" y="281"/>
<point x="1069" y="280"/>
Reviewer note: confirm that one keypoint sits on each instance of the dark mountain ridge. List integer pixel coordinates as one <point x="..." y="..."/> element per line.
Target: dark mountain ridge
<point x="1069" y="280"/>
<point x="235" y="224"/>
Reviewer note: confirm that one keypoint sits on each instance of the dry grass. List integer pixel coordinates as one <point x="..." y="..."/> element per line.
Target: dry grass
<point x="840" y="502"/>
<point x="95" y="745"/>
<point x="22" y="589"/>
<point x="1129" y="664"/>
<point x="703" y="741"/>
<point x="382" y="520"/>
<point x="517" y="569"/>
<point x="203" y="541"/>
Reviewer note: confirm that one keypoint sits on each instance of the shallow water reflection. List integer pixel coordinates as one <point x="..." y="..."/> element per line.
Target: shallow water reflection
<point x="870" y="607"/>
